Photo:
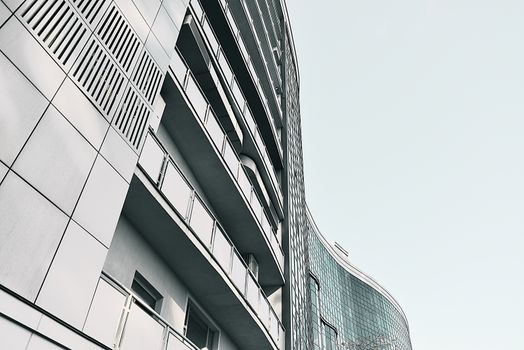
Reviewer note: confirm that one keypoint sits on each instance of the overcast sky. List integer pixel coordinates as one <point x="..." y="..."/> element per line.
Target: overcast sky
<point x="413" y="131"/>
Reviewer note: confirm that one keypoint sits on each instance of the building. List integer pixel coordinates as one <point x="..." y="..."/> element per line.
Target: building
<point x="151" y="178"/>
<point x="349" y="309"/>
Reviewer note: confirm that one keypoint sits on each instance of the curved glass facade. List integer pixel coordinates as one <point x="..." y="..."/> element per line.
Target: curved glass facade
<point x="349" y="310"/>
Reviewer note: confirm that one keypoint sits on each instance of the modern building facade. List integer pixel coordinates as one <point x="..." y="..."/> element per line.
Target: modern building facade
<point x="349" y="309"/>
<point x="151" y="179"/>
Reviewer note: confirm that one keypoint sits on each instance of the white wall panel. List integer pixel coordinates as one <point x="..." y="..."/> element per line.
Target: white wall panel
<point x="134" y="17"/>
<point x="30" y="230"/>
<point x="13" y="337"/>
<point x="176" y="10"/>
<point x="157" y="52"/>
<point x="25" y="52"/>
<point x="77" y="265"/>
<point x="166" y="31"/>
<point x="3" y="171"/>
<point x="81" y="113"/>
<point x="13" y="4"/>
<point x="101" y="201"/>
<point x="119" y="154"/>
<point x="22" y="106"/>
<point x="56" y="160"/>
<point x="148" y="9"/>
<point x="4" y="13"/>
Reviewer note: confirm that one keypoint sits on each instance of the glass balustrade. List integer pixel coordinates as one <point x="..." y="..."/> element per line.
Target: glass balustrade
<point x="224" y="147"/>
<point x="183" y="198"/>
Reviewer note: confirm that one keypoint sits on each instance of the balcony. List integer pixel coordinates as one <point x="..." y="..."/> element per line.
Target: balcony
<point x="246" y="69"/>
<point x="175" y="221"/>
<point x="120" y="320"/>
<point x="192" y="124"/>
<point x="254" y="145"/>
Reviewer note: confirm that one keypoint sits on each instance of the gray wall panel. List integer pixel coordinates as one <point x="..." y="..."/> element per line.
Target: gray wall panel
<point x="25" y="52"/>
<point x="119" y="154"/>
<point x="30" y="230"/>
<point x="101" y="201"/>
<point x="72" y="103"/>
<point x="77" y="264"/>
<point x="22" y="106"/>
<point x="56" y="160"/>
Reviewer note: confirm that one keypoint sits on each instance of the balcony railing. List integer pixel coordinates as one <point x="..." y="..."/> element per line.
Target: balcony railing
<point x="202" y="18"/>
<point x="238" y="96"/>
<point x="175" y="188"/>
<point x="206" y="115"/>
<point x="119" y="319"/>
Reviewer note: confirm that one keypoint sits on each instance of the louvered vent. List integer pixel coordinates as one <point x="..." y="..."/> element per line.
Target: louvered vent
<point x="98" y="75"/>
<point x="90" y="9"/>
<point x="132" y="117"/>
<point x="147" y="77"/>
<point x="119" y="38"/>
<point x="58" y="27"/>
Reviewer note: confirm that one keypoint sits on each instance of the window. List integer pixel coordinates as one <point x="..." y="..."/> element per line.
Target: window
<point x="330" y="337"/>
<point x="146" y="292"/>
<point x="198" y="330"/>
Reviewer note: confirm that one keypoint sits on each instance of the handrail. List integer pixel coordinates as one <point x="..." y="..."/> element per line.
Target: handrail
<point x="186" y="210"/>
<point x="243" y="105"/>
<point x="223" y="144"/>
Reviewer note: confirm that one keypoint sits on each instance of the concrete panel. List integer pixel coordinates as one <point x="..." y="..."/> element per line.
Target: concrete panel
<point x="72" y="103"/>
<point x="3" y="171"/>
<point x="148" y="9"/>
<point x="166" y="31"/>
<point x="77" y="264"/>
<point x="30" y="230"/>
<point x="25" y="52"/>
<point x="22" y="107"/>
<point x="119" y="154"/>
<point x="64" y="336"/>
<point x="19" y="311"/>
<point x="101" y="201"/>
<point x="176" y="9"/>
<point x="13" y="336"/>
<point x="157" y="52"/>
<point x="104" y="314"/>
<point x="39" y="343"/>
<point x="13" y="4"/>
<point x="56" y="160"/>
<point x="4" y="13"/>
<point x="134" y="17"/>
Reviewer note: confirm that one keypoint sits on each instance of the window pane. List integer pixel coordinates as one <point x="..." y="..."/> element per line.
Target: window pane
<point x="176" y="189"/>
<point x="222" y="250"/>
<point x="141" y="331"/>
<point x="174" y="343"/>
<point x="252" y="293"/>
<point x="104" y="314"/>
<point x="231" y="159"/>
<point x="201" y="222"/>
<point x="196" y="330"/>
<point x="215" y="131"/>
<point x="238" y="273"/>
<point x="151" y="158"/>
<point x="196" y="97"/>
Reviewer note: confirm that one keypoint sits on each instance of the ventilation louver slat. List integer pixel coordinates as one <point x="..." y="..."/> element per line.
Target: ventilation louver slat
<point x="132" y="117"/>
<point x="147" y="77"/>
<point x="100" y="78"/>
<point x="57" y="26"/>
<point x="119" y="38"/>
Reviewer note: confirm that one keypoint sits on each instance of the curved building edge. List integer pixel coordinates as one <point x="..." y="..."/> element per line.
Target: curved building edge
<point x="354" y="270"/>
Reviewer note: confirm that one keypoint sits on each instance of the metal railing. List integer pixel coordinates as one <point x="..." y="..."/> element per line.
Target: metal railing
<point x="176" y="189"/>
<point x="249" y="64"/>
<point x="209" y="121"/>
<point x="238" y="95"/>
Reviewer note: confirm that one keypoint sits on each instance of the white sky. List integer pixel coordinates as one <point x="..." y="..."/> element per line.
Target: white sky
<point x="413" y="131"/>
